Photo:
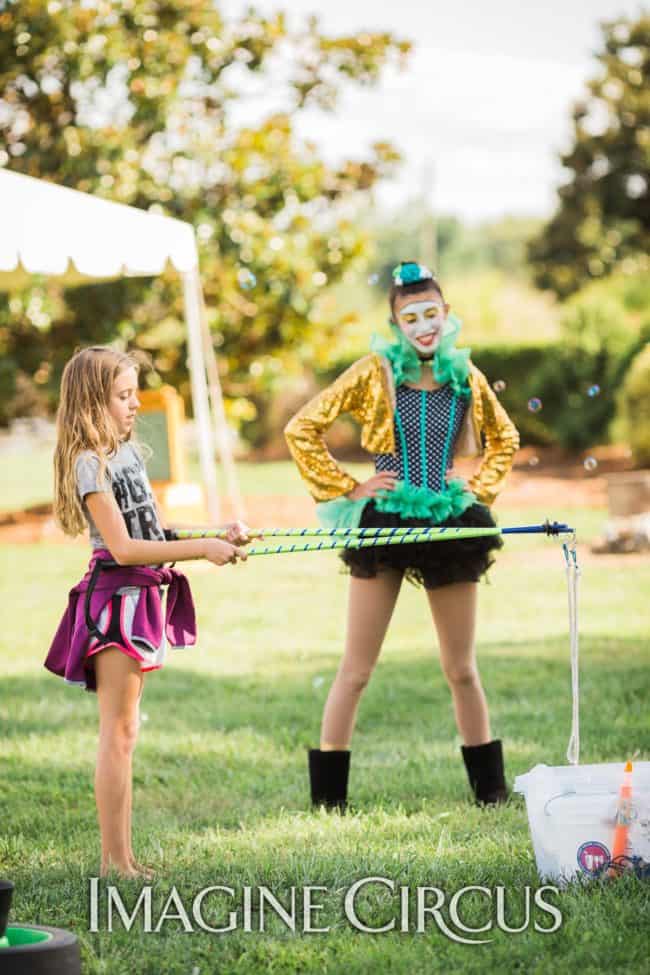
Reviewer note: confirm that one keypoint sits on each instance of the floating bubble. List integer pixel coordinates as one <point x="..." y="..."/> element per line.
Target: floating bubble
<point x="534" y="404"/>
<point x="318" y="682"/>
<point x="590" y="464"/>
<point x="373" y="279"/>
<point x="246" y="279"/>
<point x="593" y="390"/>
<point x="533" y="461"/>
<point x="499" y="386"/>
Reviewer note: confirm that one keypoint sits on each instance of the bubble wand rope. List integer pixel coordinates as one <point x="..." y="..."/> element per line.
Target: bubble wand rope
<point x="573" y="574"/>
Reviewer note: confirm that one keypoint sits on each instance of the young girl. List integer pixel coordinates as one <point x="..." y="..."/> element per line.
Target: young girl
<point x="420" y="402"/>
<point x="114" y="630"/>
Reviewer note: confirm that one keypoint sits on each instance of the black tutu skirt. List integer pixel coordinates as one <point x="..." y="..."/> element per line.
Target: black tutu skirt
<point x="428" y="564"/>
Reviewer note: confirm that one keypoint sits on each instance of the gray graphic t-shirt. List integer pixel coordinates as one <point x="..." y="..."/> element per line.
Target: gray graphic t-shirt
<point x="127" y="478"/>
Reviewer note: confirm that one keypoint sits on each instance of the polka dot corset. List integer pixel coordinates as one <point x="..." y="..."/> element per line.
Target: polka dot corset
<point x="427" y="423"/>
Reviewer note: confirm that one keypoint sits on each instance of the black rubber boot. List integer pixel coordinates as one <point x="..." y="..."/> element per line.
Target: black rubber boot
<point x="328" y="778"/>
<point x="484" y="764"/>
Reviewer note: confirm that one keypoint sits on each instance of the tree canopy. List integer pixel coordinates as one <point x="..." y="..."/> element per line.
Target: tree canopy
<point x="603" y="216"/>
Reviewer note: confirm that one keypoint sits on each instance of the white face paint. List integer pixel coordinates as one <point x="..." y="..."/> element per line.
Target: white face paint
<point x="422" y="323"/>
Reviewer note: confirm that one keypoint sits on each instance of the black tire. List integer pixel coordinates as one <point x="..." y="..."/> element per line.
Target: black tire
<point x="6" y="894"/>
<point x="57" y="956"/>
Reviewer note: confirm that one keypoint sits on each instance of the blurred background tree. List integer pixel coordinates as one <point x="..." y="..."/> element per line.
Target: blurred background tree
<point x="481" y="268"/>
<point x="603" y="216"/>
<point x="634" y="407"/>
<point x="139" y="101"/>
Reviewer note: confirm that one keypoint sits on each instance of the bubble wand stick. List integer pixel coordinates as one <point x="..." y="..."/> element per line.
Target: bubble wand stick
<point x="548" y="528"/>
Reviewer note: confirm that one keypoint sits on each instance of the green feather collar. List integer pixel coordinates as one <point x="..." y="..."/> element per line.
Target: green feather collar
<point x="449" y="364"/>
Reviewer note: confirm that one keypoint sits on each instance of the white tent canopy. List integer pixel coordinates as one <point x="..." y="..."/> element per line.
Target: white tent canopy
<point x="49" y="229"/>
<point x="76" y="238"/>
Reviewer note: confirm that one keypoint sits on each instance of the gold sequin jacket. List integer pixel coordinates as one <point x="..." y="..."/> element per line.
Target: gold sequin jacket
<point x="367" y="392"/>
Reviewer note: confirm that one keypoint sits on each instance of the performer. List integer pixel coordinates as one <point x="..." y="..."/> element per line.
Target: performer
<point x="113" y="630"/>
<point x="420" y="403"/>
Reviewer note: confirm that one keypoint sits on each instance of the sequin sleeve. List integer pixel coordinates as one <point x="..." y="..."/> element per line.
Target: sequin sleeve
<point x="355" y="392"/>
<point x="501" y="441"/>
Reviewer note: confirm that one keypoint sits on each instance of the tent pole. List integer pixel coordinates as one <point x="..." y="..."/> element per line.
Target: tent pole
<point x="200" y="399"/>
<point x="219" y="417"/>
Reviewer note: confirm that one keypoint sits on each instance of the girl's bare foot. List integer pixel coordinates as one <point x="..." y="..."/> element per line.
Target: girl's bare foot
<point x="125" y="872"/>
<point x="148" y="873"/>
<point x="129" y="871"/>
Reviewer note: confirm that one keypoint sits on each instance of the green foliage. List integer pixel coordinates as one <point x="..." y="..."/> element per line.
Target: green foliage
<point x="603" y="216"/>
<point x="499" y="307"/>
<point x="630" y="291"/>
<point x="634" y="404"/>
<point x="560" y="376"/>
<point x="499" y="244"/>
<point x="446" y="243"/>
<point x="522" y="370"/>
<point x="594" y="354"/>
<point x="135" y="102"/>
<point x="601" y="329"/>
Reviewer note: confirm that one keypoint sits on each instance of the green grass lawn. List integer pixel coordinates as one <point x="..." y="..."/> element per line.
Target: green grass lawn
<point x="220" y="771"/>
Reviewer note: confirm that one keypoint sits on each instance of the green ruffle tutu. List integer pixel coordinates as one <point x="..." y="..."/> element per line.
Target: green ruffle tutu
<point x="405" y="500"/>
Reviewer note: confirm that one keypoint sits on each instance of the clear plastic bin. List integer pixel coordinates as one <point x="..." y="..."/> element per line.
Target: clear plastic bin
<point x="571" y="813"/>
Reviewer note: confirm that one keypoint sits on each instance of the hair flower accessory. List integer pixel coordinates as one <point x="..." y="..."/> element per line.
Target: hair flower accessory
<point x="408" y="272"/>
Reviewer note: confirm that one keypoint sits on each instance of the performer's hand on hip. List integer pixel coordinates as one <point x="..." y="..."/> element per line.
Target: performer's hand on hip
<point x="384" y="481"/>
<point x="221" y="553"/>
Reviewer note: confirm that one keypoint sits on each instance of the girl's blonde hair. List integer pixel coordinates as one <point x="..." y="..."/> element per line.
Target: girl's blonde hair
<point x="84" y="423"/>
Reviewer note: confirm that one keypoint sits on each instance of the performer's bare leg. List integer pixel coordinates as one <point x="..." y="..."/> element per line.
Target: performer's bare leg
<point x="453" y="609"/>
<point x="370" y="607"/>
